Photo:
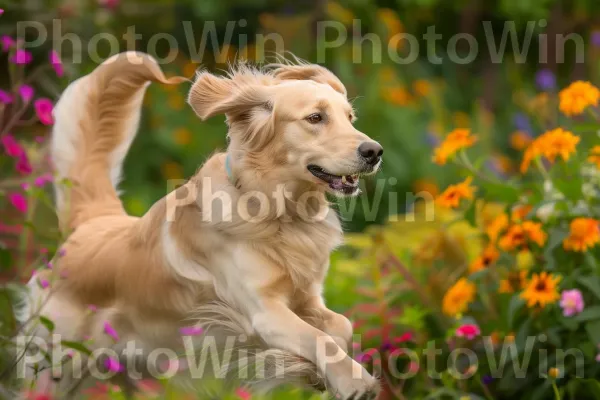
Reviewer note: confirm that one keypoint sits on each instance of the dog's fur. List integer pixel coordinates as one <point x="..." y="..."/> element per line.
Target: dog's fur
<point x="178" y="263"/>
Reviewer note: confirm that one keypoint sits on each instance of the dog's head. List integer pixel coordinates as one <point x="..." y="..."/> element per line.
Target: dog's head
<point x="294" y="121"/>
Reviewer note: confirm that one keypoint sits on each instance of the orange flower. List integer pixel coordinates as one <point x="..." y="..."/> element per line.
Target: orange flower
<point x="519" y="234"/>
<point x="519" y="212"/>
<point x="541" y="290"/>
<point x="453" y="194"/>
<point x="577" y="97"/>
<point x="458" y="297"/>
<point x="583" y="235"/>
<point x="456" y="140"/>
<point x="594" y="156"/>
<point x="397" y="95"/>
<point x="423" y="185"/>
<point x="489" y="256"/>
<point x="519" y="140"/>
<point x="390" y="20"/>
<point x="515" y="281"/>
<point x="422" y="87"/>
<point x="496" y="227"/>
<point x="551" y="144"/>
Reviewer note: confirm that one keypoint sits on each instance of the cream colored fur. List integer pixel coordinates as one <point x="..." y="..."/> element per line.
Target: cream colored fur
<point x="177" y="265"/>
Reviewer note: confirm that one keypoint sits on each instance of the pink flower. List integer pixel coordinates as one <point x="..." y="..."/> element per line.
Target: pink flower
<point x="110" y="331"/>
<point x="44" y="283"/>
<point x="43" y="109"/>
<point x="23" y="166"/>
<point x="41" y="180"/>
<point x="18" y="201"/>
<point x="5" y="97"/>
<point x="56" y="63"/>
<point x="92" y="308"/>
<point x="469" y="331"/>
<point x="7" y="42"/>
<point x="26" y="93"/>
<point x="571" y="302"/>
<point x="110" y="4"/>
<point x="243" y="394"/>
<point x="21" y="57"/>
<point x="113" y="365"/>
<point x="11" y="146"/>
<point x="191" y="331"/>
<point x="1" y="11"/>
<point x="405" y="337"/>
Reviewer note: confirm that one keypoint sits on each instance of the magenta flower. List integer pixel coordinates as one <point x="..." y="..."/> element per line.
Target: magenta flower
<point x="110" y="331"/>
<point x="243" y="394"/>
<point x="110" y="4"/>
<point x="23" y="166"/>
<point x="571" y="302"/>
<point x="26" y="93"/>
<point x="21" y="57"/>
<point x="11" y="146"/>
<point x="5" y="97"/>
<point x="18" y="201"/>
<point x="191" y="331"/>
<point x="56" y="63"/>
<point x="1" y="11"/>
<point x="41" y="180"/>
<point x="113" y="365"/>
<point x="469" y="331"/>
<point x="7" y="42"/>
<point x="44" y="284"/>
<point x="43" y="109"/>
<point x="93" y="308"/>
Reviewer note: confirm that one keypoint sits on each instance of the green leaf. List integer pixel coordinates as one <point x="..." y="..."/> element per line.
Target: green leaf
<point x="589" y="314"/>
<point x="470" y="214"/>
<point x="593" y="331"/>
<point x="47" y="323"/>
<point x="80" y="347"/>
<point x="516" y="303"/>
<point x="592" y="283"/>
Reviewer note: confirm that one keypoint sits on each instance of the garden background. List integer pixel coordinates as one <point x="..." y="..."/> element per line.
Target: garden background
<point x="510" y="253"/>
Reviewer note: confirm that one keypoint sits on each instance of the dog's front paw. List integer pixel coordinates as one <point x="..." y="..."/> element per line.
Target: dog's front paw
<point x="364" y="387"/>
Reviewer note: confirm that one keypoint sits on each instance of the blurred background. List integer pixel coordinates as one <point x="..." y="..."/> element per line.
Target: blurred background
<point x="408" y="107"/>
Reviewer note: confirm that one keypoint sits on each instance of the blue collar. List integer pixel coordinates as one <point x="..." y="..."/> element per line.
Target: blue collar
<point x="228" y="169"/>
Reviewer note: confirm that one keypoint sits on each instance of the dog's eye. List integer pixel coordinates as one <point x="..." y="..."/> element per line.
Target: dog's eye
<point x="314" y="118"/>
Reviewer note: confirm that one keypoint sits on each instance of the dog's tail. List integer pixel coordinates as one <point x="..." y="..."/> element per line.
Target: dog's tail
<point x="96" y="120"/>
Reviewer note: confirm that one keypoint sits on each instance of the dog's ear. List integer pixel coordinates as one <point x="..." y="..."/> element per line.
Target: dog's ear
<point x="311" y="72"/>
<point x="212" y="95"/>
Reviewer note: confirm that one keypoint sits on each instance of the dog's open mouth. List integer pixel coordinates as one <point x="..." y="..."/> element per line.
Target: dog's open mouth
<point x="343" y="184"/>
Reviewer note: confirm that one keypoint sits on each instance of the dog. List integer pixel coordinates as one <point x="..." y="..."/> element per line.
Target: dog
<point x="243" y="244"/>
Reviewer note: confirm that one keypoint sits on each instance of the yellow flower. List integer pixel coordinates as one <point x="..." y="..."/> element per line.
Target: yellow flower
<point x="390" y="19"/>
<point x="176" y="101"/>
<point x="387" y="74"/>
<point x="514" y="282"/>
<point x="519" y="140"/>
<point x="338" y="12"/>
<point x="577" y="97"/>
<point x="422" y="185"/>
<point x="541" y="290"/>
<point x="554" y="373"/>
<point x="584" y="234"/>
<point x="182" y="136"/>
<point x="496" y="227"/>
<point x="397" y="95"/>
<point x="456" y="140"/>
<point x="172" y="170"/>
<point x="489" y="256"/>
<point x="594" y="156"/>
<point x="458" y="297"/>
<point x="189" y="69"/>
<point x="422" y="87"/>
<point x="554" y="143"/>
<point x="452" y="196"/>
<point x="520" y="211"/>
<point x="519" y="234"/>
<point x="525" y="259"/>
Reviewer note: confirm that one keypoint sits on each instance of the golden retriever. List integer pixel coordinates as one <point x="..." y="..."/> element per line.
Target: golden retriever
<point x="247" y="238"/>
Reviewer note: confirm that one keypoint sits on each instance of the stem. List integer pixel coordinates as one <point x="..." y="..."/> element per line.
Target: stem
<point x="543" y="170"/>
<point x="556" y="392"/>
<point x="464" y="161"/>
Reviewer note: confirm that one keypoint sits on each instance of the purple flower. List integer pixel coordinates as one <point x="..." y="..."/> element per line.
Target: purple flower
<point x="41" y="180"/>
<point x="18" y="201"/>
<point x="191" y="331"/>
<point x="11" y="146"/>
<point x="23" y="166"/>
<point x="44" y="283"/>
<point x="113" y="365"/>
<point x="522" y="123"/>
<point x="26" y="93"/>
<point x="7" y="42"/>
<point x="110" y="331"/>
<point x="595" y="38"/>
<point x="487" y="379"/>
<point x="1" y="11"/>
<point x="545" y="79"/>
<point x="56" y="63"/>
<point x="5" y="97"/>
<point x="21" y="57"/>
<point x="571" y="302"/>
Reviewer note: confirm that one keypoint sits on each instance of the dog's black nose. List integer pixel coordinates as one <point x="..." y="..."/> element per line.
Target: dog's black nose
<point x="371" y="152"/>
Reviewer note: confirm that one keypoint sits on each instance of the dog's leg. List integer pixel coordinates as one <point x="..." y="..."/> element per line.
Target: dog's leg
<point x="280" y="327"/>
